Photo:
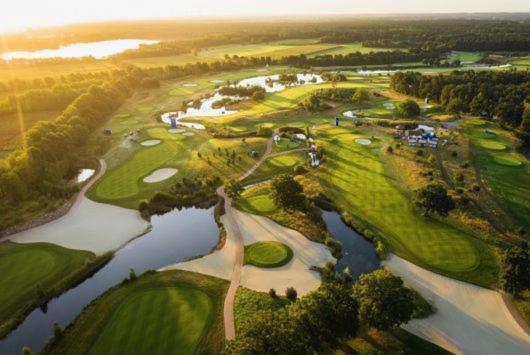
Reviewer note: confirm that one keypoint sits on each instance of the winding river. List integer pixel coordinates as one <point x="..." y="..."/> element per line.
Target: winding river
<point x="196" y="232"/>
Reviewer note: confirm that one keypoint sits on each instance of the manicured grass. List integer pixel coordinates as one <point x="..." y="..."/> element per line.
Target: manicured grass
<point x="350" y="48"/>
<point x="281" y="164"/>
<point x="123" y="184"/>
<point x="156" y="321"/>
<point x="170" y="312"/>
<point x="268" y="254"/>
<point x="465" y="57"/>
<point x="258" y="200"/>
<point x="509" y="185"/>
<point x="508" y="159"/>
<point x="26" y="268"/>
<point x="492" y="145"/>
<point x="249" y="302"/>
<point x="355" y="178"/>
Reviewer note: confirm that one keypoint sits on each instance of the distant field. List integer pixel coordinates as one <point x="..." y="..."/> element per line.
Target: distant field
<point x="11" y="131"/>
<point x="350" y="48"/>
<point x="524" y="62"/>
<point x="27" y="72"/>
<point x="171" y="312"/>
<point x="465" y="57"/>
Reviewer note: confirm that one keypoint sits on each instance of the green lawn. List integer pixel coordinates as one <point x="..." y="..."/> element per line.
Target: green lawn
<point x="281" y="164"/>
<point x="268" y="254"/>
<point x="170" y="312"/>
<point x="506" y="173"/>
<point x="25" y="268"/>
<point x="347" y="48"/>
<point x="354" y="177"/>
<point x="123" y="184"/>
<point x="465" y="57"/>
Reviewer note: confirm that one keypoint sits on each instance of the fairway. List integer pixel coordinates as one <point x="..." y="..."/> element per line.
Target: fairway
<point x="165" y="320"/>
<point x="268" y="254"/>
<point x="354" y="177"/>
<point x="170" y="312"/>
<point x="28" y="267"/>
<point x="257" y="201"/>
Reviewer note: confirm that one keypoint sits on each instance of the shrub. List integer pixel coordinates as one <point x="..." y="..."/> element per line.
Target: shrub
<point x="272" y="293"/>
<point x="476" y="188"/>
<point x="335" y="247"/>
<point x="389" y="149"/>
<point x="460" y="177"/>
<point x="419" y="153"/>
<point x="299" y="170"/>
<point x="291" y="294"/>
<point x="57" y="332"/>
<point x="454" y="154"/>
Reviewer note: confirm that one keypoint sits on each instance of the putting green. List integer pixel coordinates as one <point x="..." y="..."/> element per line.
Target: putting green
<point x="169" y="312"/>
<point x="165" y="320"/>
<point x="26" y="267"/>
<point x="492" y="145"/>
<point x="267" y="254"/>
<point x="508" y="159"/>
<point x="257" y="201"/>
<point x="355" y="179"/>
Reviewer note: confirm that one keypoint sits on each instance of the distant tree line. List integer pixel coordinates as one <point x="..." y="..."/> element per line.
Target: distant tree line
<point x="502" y="94"/>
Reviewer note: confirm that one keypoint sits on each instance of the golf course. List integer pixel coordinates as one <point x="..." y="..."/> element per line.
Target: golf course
<point x="299" y="186"/>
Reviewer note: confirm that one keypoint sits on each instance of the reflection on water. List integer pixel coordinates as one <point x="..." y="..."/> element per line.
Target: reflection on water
<point x="175" y="237"/>
<point x="358" y="253"/>
<point x="268" y="82"/>
<point x="97" y="50"/>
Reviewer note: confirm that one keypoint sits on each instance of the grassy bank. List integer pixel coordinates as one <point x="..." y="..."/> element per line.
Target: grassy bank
<point x="34" y="273"/>
<point x="171" y="312"/>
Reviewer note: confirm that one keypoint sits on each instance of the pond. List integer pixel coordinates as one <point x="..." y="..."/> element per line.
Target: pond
<point x="358" y="253"/>
<point x="97" y="50"/>
<point x="268" y="82"/>
<point x="176" y="236"/>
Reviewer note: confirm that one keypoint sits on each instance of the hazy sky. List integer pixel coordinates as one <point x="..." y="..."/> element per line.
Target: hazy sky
<point x="18" y="14"/>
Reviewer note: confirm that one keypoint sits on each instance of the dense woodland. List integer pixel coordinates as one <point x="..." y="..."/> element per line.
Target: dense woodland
<point x="497" y="95"/>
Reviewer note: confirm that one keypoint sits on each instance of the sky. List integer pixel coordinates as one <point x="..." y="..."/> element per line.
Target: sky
<point x="21" y="14"/>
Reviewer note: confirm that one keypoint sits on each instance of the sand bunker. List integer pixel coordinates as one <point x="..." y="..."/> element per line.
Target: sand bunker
<point x="160" y="175"/>
<point x="176" y="130"/>
<point x="350" y="114"/>
<point x="217" y="81"/>
<point x="469" y="319"/>
<point x="189" y="85"/>
<point x="84" y="175"/>
<point x="254" y="228"/>
<point x="188" y="134"/>
<point x="150" y="142"/>
<point x="363" y="141"/>
<point x="389" y="106"/>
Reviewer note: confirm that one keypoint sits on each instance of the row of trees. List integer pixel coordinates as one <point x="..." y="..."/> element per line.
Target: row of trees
<point x="321" y="319"/>
<point x="51" y="148"/>
<point x="493" y="94"/>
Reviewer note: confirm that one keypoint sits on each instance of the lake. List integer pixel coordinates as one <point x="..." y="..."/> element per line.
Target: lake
<point x="97" y="50"/>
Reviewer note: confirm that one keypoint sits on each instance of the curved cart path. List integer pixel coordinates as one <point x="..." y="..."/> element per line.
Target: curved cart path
<point x="232" y="225"/>
<point x="469" y="319"/>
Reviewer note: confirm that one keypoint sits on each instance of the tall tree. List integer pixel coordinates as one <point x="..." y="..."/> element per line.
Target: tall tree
<point x="433" y="198"/>
<point x="515" y="270"/>
<point x="287" y="193"/>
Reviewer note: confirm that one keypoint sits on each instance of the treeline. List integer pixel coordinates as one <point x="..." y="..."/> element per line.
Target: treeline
<point x="459" y="34"/>
<point x="52" y="147"/>
<point x="502" y="95"/>
<point x="351" y="59"/>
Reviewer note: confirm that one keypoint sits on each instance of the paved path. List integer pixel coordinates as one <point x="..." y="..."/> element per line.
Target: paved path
<point x="228" y="312"/>
<point x="469" y="319"/>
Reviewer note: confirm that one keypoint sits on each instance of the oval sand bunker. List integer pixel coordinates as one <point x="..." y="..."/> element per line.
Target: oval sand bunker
<point x="160" y="175"/>
<point x="363" y="141"/>
<point x="150" y="142"/>
<point x="176" y="130"/>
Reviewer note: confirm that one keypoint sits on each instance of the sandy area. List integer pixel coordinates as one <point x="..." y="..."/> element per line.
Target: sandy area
<point x="88" y="225"/>
<point x="176" y="130"/>
<point x="189" y="85"/>
<point x="256" y="228"/>
<point x="160" y="175"/>
<point x="469" y="320"/>
<point x="150" y="142"/>
<point x="363" y="141"/>
<point x="350" y="114"/>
